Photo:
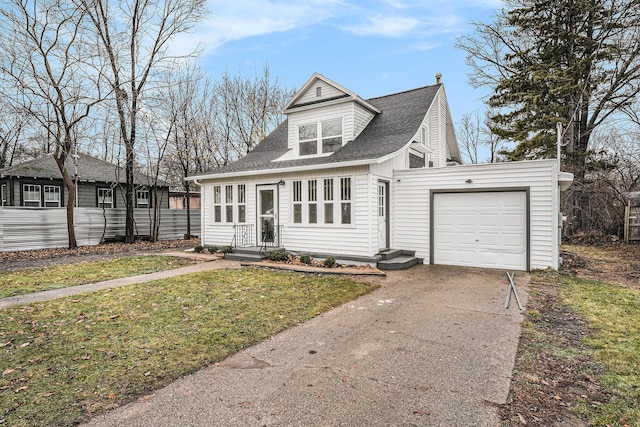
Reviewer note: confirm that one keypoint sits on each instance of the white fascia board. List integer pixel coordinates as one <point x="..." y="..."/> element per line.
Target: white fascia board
<point x="282" y="170"/>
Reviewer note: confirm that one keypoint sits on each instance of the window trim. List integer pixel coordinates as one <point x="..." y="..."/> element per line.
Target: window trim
<point x="320" y="138"/>
<point x="228" y="203"/>
<point x="328" y="191"/>
<point x="24" y="191"/>
<point x="217" y="204"/>
<point x="242" y="203"/>
<point x="4" y="195"/>
<point x="143" y="190"/>
<point x="44" y="195"/>
<point x="104" y="205"/>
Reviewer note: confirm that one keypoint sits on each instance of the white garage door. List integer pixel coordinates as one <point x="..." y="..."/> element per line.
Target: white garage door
<point x="487" y="229"/>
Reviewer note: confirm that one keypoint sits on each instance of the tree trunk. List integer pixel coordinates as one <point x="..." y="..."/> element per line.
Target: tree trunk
<point x="129" y="194"/>
<point x="70" y="184"/>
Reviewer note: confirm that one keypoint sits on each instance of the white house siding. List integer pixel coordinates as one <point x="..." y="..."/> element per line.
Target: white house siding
<point x="361" y="118"/>
<point x="354" y="239"/>
<point x="343" y="110"/>
<point x="326" y="92"/>
<point x="411" y="202"/>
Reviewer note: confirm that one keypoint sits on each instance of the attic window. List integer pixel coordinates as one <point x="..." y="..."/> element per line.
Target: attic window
<point x="319" y="91"/>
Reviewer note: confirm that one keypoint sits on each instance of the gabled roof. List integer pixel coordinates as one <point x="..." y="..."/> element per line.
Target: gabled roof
<point x="345" y="95"/>
<point x="388" y="132"/>
<point x="89" y="169"/>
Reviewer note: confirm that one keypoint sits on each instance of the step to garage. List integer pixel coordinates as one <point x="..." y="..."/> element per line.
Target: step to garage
<point x="397" y="259"/>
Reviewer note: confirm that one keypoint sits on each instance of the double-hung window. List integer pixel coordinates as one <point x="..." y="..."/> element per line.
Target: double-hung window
<point x="312" y="186"/>
<point x="242" y="203"/>
<point x="105" y="198"/>
<point x="328" y="200"/>
<point x="217" y="203"/>
<point x="31" y="195"/>
<point x="345" y="200"/>
<point x="228" y="202"/>
<point x="51" y="196"/>
<point x="322" y="201"/>
<point x="297" y="202"/>
<point x="320" y="137"/>
<point x="142" y="197"/>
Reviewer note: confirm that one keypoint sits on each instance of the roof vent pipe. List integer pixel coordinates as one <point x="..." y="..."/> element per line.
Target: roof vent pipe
<point x="438" y="77"/>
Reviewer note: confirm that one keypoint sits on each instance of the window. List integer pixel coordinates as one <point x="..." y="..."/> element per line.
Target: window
<point x="319" y="91"/>
<point x="228" y="202"/>
<point x="297" y="202"/>
<point x="308" y="139"/>
<point x="322" y="137"/>
<point x="242" y="203"/>
<point x="424" y="135"/>
<point x="31" y="195"/>
<point x="51" y="196"/>
<point x="331" y="135"/>
<point x="312" y="186"/>
<point x="217" y="204"/>
<point x="322" y="201"/>
<point x="142" y="198"/>
<point x="4" y="196"/>
<point x="328" y="201"/>
<point x="345" y="200"/>
<point x="105" y="198"/>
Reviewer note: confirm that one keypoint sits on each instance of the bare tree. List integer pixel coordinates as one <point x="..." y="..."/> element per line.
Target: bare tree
<point x="43" y="56"/>
<point x="476" y="138"/>
<point x="133" y="37"/>
<point x="12" y="129"/>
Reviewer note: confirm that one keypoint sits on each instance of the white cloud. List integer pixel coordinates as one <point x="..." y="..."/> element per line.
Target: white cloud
<point x="387" y="26"/>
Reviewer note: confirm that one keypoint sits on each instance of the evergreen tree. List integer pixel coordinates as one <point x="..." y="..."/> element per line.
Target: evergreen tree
<point x="547" y="61"/>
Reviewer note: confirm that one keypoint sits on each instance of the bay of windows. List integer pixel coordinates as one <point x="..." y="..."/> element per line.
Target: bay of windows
<point x="320" y="137"/>
<point x="51" y="196"/>
<point x="31" y="195"/>
<point x="225" y="203"/>
<point x="317" y="201"/>
<point x="105" y="198"/>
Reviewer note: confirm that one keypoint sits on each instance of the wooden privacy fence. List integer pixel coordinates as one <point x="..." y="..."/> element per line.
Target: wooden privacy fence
<point x="632" y="223"/>
<point x="24" y="228"/>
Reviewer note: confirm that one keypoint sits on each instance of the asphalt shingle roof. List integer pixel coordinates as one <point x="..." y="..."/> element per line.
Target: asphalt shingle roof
<point x="389" y="131"/>
<point x="89" y="169"/>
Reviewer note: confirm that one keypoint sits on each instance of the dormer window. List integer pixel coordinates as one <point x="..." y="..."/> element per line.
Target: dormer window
<point x="321" y="137"/>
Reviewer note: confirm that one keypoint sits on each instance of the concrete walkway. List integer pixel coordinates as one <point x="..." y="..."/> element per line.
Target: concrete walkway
<point x="434" y="346"/>
<point x="91" y="287"/>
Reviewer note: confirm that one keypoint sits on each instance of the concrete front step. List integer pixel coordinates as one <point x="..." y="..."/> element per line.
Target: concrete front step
<point x="237" y="256"/>
<point x="397" y="259"/>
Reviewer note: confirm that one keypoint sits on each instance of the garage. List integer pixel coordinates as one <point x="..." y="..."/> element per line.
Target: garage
<point x="485" y="229"/>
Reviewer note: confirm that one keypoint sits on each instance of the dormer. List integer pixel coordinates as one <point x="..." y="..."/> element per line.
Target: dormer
<point x="324" y="116"/>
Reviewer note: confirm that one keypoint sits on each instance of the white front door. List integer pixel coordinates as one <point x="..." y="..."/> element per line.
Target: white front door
<point x="383" y="229"/>
<point x="267" y="214"/>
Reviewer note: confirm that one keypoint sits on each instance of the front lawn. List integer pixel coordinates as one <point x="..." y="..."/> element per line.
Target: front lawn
<point x="61" y="276"/>
<point x="65" y="360"/>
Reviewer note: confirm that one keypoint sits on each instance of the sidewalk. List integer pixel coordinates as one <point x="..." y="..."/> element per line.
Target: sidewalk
<point x="114" y="283"/>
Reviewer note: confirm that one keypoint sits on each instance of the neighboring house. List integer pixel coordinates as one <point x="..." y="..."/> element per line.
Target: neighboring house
<point x="38" y="183"/>
<point x="381" y="178"/>
<point x="178" y="199"/>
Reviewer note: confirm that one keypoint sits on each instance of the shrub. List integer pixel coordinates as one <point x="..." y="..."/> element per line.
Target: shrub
<point x="213" y="249"/>
<point x="330" y="262"/>
<point x="226" y="249"/>
<point x="276" y="256"/>
<point x="305" y="259"/>
<point x="198" y="249"/>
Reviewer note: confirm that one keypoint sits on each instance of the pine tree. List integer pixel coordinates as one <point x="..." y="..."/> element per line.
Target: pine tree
<point x="548" y="61"/>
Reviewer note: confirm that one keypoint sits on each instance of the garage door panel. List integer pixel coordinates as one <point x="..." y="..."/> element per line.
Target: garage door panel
<point x="482" y="229"/>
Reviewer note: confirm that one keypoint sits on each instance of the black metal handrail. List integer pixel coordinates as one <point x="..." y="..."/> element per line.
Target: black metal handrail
<point x="271" y="237"/>
<point x="243" y="236"/>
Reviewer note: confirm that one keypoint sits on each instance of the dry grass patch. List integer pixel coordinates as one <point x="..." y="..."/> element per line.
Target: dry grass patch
<point x="61" y="276"/>
<point x="65" y="360"/>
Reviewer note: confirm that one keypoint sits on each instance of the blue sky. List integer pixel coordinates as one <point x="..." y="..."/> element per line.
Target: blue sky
<point x="373" y="48"/>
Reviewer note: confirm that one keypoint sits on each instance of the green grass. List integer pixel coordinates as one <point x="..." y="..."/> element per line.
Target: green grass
<point x="62" y="276"/>
<point x="614" y="313"/>
<point x="66" y="359"/>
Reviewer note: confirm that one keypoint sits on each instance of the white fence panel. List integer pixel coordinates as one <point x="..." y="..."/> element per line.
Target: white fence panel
<point x="23" y="228"/>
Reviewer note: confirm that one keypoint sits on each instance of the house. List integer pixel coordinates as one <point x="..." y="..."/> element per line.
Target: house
<point x="38" y="183"/>
<point x="178" y="199"/>
<point x="381" y="181"/>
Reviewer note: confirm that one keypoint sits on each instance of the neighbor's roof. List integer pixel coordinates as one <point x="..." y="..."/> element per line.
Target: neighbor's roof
<point x="89" y="169"/>
<point x="389" y="131"/>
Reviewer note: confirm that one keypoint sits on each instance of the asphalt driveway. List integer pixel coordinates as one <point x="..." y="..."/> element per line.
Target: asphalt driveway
<point x="434" y="346"/>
